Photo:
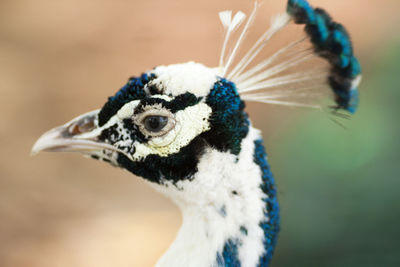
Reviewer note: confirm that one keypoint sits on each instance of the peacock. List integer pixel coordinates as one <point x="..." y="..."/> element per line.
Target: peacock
<point x="184" y="129"/>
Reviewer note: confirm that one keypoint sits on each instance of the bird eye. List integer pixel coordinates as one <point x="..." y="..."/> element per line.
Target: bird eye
<point x="155" y="124"/>
<point x="155" y="121"/>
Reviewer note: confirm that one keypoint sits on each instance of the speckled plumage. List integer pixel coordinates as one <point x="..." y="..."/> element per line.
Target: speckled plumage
<point x="184" y="129"/>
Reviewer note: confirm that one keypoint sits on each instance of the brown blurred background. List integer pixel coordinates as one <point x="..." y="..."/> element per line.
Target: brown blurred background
<point x="59" y="59"/>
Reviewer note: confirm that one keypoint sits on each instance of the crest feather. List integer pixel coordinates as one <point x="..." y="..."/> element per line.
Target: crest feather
<point x="324" y="56"/>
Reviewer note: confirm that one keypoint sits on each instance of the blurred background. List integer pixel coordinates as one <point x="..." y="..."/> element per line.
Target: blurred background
<point x="338" y="189"/>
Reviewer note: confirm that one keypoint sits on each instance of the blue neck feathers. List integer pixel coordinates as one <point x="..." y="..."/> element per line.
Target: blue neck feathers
<point x="270" y="225"/>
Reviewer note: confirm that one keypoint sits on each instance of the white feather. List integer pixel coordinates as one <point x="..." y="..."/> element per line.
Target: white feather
<point x="283" y="80"/>
<point x="226" y="18"/>
<point x="265" y="63"/>
<point x="277" y="23"/>
<point x="230" y="26"/>
<point x="239" y="41"/>
<point x="284" y="103"/>
<point x="292" y="62"/>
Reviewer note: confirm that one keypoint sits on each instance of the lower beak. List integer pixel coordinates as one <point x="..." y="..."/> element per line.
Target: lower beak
<point x="79" y="135"/>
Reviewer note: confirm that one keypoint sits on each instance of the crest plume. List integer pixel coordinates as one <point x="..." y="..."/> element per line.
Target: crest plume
<point x="318" y="64"/>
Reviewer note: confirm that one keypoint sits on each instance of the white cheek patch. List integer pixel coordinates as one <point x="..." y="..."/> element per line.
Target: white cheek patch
<point x="190" y="122"/>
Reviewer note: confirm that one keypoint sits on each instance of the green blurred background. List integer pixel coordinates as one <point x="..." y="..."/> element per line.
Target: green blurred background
<point x="338" y="188"/>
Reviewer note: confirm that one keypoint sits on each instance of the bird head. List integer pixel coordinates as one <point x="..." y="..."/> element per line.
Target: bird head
<point x="185" y="125"/>
<point x="158" y="125"/>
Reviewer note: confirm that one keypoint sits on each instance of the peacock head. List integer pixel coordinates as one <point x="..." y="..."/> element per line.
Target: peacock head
<point x="183" y="128"/>
<point x="158" y="125"/>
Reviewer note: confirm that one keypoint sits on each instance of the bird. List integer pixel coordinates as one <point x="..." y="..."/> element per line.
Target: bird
<point x="183" y="128"/>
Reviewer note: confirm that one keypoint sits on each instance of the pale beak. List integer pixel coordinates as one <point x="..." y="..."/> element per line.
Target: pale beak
<point x="79" y="135"/>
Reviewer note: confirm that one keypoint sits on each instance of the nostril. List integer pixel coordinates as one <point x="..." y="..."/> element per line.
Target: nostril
<point x="74" y="129"/>
<point x="86" y="126"/>
<point x="81" y="126"/>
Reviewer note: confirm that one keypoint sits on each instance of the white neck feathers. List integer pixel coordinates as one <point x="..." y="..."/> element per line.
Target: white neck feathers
<point x="223" y="197"/>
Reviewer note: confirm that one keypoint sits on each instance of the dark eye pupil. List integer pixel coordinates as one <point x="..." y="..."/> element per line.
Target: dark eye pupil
<point x="155" y="123"/>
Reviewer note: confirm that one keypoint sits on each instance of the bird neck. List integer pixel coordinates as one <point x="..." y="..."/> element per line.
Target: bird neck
<point x="229" y="210"/>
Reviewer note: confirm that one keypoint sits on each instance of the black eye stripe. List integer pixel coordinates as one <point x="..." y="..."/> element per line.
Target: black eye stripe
<point x="183" y="101"/>
<point x="149" y="102"/>
<point x="180" y="102"/>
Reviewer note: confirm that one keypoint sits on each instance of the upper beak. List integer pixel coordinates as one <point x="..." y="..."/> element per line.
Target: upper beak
<point x="79" y="135"/>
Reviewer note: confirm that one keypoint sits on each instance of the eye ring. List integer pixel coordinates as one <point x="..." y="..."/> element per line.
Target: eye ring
<point x="162" y="116"/>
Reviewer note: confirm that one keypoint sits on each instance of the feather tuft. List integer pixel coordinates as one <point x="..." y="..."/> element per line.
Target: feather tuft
<point x="241" y="37"/>
<point x="230" y="25"/>
<point x="226" y="18"/>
